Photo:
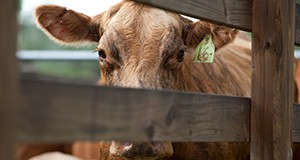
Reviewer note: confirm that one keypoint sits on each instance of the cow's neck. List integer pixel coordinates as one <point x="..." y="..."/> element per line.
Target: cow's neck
<point x="214" y="78"/>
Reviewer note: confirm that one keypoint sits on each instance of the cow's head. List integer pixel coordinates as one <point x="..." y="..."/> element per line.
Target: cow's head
<point x="138" y="46"/>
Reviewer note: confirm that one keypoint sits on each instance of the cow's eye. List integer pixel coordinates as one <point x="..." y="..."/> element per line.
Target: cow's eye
<point x="102" y="54"/>
<point x="180" y="56"/>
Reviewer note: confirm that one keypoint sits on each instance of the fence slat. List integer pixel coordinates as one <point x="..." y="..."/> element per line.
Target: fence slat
<point x="235" y="13"/>
<point x="54" y="117"/>
<point x="272" y="79"/>
<point x="8" y="80"/>
<point x="297" y="33"/>
<point x="59" y="112"/>
<point x="296" y="123"/>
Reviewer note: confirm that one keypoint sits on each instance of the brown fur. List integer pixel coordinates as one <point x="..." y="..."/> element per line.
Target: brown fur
<point x="142" y="45"/>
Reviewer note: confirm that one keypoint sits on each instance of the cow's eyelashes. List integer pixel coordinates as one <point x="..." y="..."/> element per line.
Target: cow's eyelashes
<point x="102" y="54"/>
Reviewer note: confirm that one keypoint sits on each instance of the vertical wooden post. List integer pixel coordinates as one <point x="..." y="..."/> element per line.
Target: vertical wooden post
<point x="272" y="82"/>
<point x="8" y="78"/>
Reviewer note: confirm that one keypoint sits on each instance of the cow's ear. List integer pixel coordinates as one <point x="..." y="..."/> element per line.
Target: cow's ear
<point x="66" y="26"/>
<point x="196" y="31"/>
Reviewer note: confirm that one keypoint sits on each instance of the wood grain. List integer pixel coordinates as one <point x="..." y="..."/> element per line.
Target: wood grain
<point x="296" y="123"/>
<point x="8" y="80"/>
<point x="236" y="13"/>
<point x="297" y="34"/>
<point x="59" y="112"/>
<point x="233" y="13"/>
<point x="34" y="97"/>
<point x="272" y="79"/>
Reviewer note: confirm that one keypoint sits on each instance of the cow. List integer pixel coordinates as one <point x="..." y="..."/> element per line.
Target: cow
<point x="144" y="47"/>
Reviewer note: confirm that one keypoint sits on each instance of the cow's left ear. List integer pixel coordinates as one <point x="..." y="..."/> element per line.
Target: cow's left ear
<point x="196" y="31"/>
<point x="66" y="26"/>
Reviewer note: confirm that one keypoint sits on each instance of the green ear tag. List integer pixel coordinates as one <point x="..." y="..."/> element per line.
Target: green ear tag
<point x="205" y="51"/>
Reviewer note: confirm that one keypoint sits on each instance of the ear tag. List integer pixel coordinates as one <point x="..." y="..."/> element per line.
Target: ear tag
<point x="205" y="51"/>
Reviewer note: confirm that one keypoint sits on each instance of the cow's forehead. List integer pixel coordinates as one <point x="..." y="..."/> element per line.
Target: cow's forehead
<point x="139" y="29"/>
<point x="142" y="19"/>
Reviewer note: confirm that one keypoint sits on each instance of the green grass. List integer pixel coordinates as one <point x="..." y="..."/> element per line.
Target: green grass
<point x="32" y="38"/>
<point x="81" y="70"/>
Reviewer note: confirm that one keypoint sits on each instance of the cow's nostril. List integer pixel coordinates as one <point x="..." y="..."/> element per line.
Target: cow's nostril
<point x="140" y="151"/>
<point x="127" y="146"/>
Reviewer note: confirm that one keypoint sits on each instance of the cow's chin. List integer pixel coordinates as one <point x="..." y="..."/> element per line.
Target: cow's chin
<point x="141" y="151"/>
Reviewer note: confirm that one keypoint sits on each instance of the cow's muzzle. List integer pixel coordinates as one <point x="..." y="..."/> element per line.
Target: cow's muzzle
<point x="150" y="151"/>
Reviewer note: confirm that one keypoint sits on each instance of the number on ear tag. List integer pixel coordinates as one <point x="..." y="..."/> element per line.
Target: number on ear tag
<point x="205" y="51"/>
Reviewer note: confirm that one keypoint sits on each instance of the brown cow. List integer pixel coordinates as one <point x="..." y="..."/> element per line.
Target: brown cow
<point x="145" y="47"/>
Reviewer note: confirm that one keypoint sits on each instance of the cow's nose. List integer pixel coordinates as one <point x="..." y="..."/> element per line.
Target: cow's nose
<point x="153" y="150"/>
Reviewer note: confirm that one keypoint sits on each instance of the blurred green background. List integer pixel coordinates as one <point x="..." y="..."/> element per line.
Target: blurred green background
<point x="31" y="38"/>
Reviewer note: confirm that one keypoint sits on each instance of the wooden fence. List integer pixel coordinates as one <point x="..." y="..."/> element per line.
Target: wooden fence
<point x="8" y="77"/>
<point x="60" y="112"/>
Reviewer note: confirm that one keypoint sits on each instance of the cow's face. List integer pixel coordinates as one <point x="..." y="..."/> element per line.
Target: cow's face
<point x="141" y="47"/>
<point x="138" y="46"/>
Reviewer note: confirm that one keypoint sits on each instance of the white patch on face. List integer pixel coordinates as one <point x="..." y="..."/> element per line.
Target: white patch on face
<point x="131" y="81"/>
<point x="113" y="149"/>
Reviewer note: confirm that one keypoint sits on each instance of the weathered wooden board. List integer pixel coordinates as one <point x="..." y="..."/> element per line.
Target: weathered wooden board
<point x="85" y="92"/>
<point x="59" y="112"/>
<point x="297" y="34"/>
<point x="272" y="79"/>
<point x="8" y="77"/>
<point x="235" y="13"/>
<point x="296" y="123"/>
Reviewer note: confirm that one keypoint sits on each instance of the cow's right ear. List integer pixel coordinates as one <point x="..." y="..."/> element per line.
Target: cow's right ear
<point x="66" y="26"/>
<point x="194" y="32"/>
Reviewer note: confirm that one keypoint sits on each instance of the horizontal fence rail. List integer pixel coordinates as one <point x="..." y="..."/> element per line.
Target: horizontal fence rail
<point x="234" y="13"/>
<point x="60" y="112"/>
